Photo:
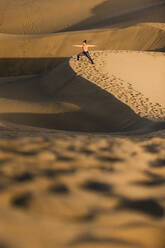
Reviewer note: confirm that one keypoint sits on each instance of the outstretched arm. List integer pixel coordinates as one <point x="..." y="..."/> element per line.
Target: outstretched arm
<point x="81" y="45"/>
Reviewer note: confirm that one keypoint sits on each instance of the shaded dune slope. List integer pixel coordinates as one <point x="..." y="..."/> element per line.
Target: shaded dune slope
<point x="36" y="17"/>
<point x="60" y="99"/>
<point x="122" y="14"/>
<point x="66" y="100"/>
<point x="32" y="54"/>
<point x="27" y="17"/>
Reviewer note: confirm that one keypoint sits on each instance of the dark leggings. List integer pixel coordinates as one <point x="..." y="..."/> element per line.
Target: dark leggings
<point x="85" y="54"/>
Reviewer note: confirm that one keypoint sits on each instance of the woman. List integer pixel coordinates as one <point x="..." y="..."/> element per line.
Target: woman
<point x="85" y="52"/>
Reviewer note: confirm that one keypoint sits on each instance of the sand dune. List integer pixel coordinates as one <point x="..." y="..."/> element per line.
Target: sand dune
<point x="33" y="54"/>
<point x="42" y="16"/>
<point x="79" y="98"/>
<point x="29" y="17"/>
<point x="71" y="103"/>
<point x="82" y="146"/>
<point x="41" y="50"/>
<point x="145" y="71"/>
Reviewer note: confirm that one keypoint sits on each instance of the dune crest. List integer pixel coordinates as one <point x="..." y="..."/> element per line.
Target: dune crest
<point x="39" y="16"/>
<point x="78" y="96"/>
<point x="112" y="74"/>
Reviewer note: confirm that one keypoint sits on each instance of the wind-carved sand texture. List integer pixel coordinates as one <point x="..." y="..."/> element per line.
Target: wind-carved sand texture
<point x="82" y="146"/>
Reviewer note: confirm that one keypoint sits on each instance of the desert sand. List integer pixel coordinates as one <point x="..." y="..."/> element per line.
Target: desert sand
<point x="82" y="146"/>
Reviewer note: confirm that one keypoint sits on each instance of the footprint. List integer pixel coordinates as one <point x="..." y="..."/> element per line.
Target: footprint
<point x="22" y="201"/>
<point x="65" y="158"/>
<point x="158" y="163"/>
<point x="152" y="148"/>
<point x="146" y="206"/>
<point x="24" y="177"/>
<point x="50" y="173"/>
<point x="154" y="180"/>
<point x="59" y="189"/>
<point x="151" y="183"/>
<point x="110" y="159"/>
<point x="97" y="186"/>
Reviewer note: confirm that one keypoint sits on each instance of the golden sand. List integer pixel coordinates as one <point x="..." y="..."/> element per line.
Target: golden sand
<point x="82" y="146"/>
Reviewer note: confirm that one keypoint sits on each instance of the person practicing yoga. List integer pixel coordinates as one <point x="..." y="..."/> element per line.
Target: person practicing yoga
<point x="85" y="52"/>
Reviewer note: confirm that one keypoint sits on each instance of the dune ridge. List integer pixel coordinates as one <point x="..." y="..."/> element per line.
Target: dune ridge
<point x="78" y="96"/>
<point x="31" y="54"/>
<point x="31" y="17"/>
<point x="112" y="74"/>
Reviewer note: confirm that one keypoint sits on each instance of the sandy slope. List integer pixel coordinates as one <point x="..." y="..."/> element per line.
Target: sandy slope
<point x="42" y="16"/>
<point x="103" y="185"/>
<point x="50" y="16"/>
<point x="37" y="53"/>
<point x="78" y="96"/>
<point x="145" y="71"/>
<point x="120" y="73"/>
<point x="29" y="54"/>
